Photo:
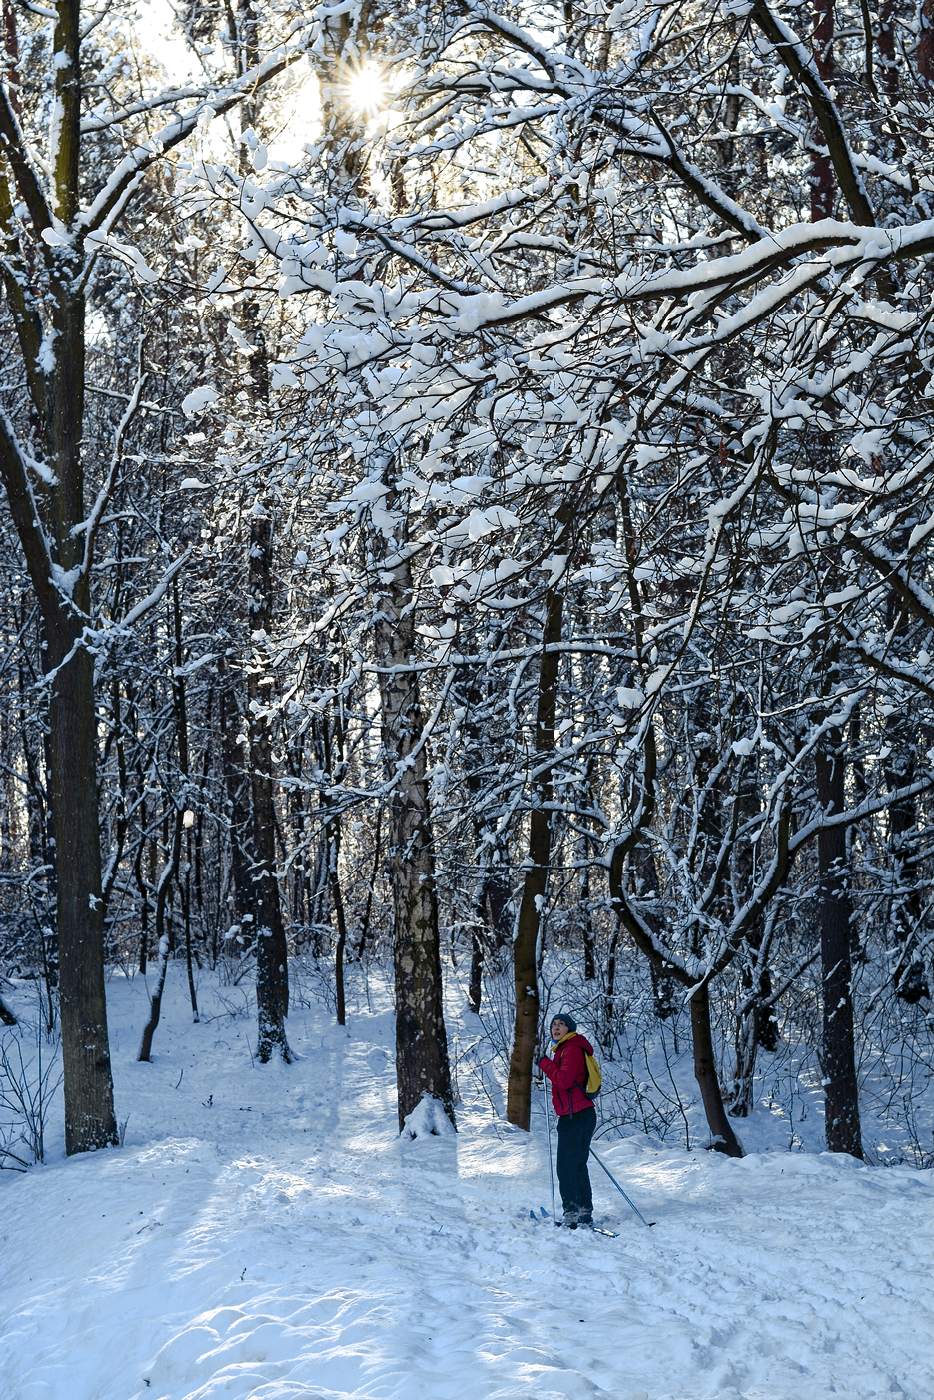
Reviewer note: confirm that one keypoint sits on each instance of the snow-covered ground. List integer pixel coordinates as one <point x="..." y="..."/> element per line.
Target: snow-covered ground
<point x="264" y="1233"/>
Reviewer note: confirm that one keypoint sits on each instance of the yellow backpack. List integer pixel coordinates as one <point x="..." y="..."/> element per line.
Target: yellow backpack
<point x="594" y="1077"/>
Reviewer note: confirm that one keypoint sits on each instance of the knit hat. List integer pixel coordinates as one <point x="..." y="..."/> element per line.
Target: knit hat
<point x="567" y="1018"/>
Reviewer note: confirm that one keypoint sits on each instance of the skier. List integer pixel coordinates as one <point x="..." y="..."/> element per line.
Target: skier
<point x="577" y="1117"/>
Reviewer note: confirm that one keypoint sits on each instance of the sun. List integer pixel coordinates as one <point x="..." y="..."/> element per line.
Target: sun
<point x="365" y="87"/>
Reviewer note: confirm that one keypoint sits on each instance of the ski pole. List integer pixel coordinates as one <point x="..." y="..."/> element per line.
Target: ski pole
<point x="632" y="1207"/>
<point x="551" y="1165"/>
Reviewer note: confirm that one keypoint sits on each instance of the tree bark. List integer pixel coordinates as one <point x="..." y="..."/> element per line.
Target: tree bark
<point x="925" y="50"/>
<point x="907" y="908"/>
<point x="491" y="927"/>
<point x="333" y="770"/>
<point x="54" y="547"/>
<point x="340" y="948"/>
<point x="823" y="184"/>
<point x="90" y="1120"/>
<point x="477" y="959"/>
<point x="155" y="1004"/>
<point x="180" y="705"/>
<point x="755" y="1026"/>
<point x="272" y="973"/>
<point x="165" y="939"/>
<point x="238" y="816"/>
<point x="834" y="909"/>
<point x="841" y="1093"/>
<point x="535" y="879"/>
<point x="422" y="1064"/>
<point x="705" y="1072"/>
<point x="368" y="904"/>
<point x="909" y="975"/>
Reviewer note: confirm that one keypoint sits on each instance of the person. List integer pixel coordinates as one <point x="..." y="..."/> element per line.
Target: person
<point x="566" y="1067"/>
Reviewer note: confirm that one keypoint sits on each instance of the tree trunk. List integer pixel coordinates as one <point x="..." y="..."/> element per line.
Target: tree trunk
<point x="746" y="1047"/>
<point x="491" y="931"/>
<point x="586" y="923"/>
<point x="272" y="962"/>
<point x="333" y="770"/>
<point x="180" y="702"/>
<point x="65" y="601"/>
<point x="834" y="910"/>
<point x="422" y="1065"/>
<point x="664" y="987"/>
<point x="90" y="1120"/>
<point x="755" y="1026"/>
<point x="756" y="1023"/>
<point x="705" y="1072"/>
<point x="186" y="923"/>
<point x="237" y="812"/>
<point x="841" y="1093"/>
<point x="272" y="973"/>
<point x="340" y="949"/>
<point x="368" y="904"/>
<point x="155" y="1004"/>
<point x="907" y="910"/>
<point x="477" y="958"/>
<point x="476" y="696"/>
<point x="925" y="50"/>
<point x="888" y="58"/>
<point x="823" y="183"/>
<point x="909" y="974"/>
<point x="535" y="880"/>
<point x="165" y="941"/>
<point x="609" y="996"/>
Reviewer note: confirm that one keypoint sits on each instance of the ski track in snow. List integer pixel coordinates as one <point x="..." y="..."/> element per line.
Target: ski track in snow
<point x="283" y="1243"/>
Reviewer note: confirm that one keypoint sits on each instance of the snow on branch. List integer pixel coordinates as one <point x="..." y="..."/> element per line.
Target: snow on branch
<point x="128" y="172"/>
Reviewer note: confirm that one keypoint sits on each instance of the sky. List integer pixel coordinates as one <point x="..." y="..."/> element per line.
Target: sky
<point x="159" y="34"/>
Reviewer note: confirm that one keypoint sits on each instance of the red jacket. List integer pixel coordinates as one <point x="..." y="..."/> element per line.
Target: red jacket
<point x="568" y="1075"/>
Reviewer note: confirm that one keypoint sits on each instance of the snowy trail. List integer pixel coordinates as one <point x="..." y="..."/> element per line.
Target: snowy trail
<point x="285" y="1244"/>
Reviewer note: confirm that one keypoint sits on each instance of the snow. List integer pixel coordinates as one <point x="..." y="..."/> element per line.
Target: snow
<point x="265" y="1232"/>
<point x="629" y="697"/>
<point x="45" y="357"/>
<point x="65" y="579"/>
<point x="199" y="399"/>
<point x="346" y="243"/>
<point x="427" y="1119"/>
<point x="744" y="747"/>
<point x="483" y="522"/>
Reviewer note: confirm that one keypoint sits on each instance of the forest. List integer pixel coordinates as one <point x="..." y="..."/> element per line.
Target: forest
<point x="468" y="489"/>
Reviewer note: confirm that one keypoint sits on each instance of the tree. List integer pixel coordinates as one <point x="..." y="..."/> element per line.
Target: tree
<point x="576" y="278"/>
<point x="55" y="233"/>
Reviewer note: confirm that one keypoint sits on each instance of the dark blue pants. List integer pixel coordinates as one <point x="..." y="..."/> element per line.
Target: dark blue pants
<point x="574" y="1133"/>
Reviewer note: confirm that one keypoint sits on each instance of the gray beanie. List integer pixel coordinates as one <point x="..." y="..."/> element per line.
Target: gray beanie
<point x="567" y="1018"/>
